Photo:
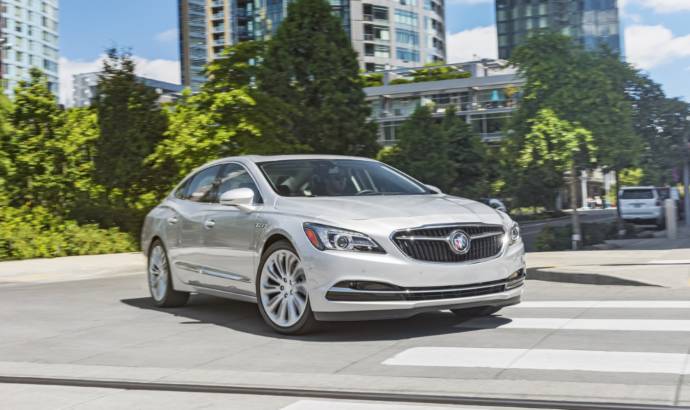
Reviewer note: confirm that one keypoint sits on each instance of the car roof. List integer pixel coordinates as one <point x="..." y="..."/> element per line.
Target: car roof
<point x="270" y="158"/>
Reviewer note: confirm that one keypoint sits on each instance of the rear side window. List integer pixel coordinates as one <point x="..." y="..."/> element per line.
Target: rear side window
<point x="637" y="194"/>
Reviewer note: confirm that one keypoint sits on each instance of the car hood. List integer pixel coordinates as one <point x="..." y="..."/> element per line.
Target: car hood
<point x="396" y="210"/>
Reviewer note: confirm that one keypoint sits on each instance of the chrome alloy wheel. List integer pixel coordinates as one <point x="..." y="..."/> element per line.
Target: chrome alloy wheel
<point x="283" y="288"/>
<point x="158" y="272"/>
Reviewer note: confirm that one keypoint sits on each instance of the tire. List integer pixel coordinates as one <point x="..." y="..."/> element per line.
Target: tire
<point x="160" y="278"/>
<point x="475" y="311"/>
<point x="281" y="291"/>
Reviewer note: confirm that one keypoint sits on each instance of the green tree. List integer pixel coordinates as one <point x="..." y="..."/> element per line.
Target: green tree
<point x="469" y="155"/>
<point x="559" y="146"/>
<point x="130" y="123"/>
<point x="311" y="67"/>
<point x="661" y="123"/>
<point x="6" y="139"/>
<point x="35" y="120"/>
<point x="579" y="86"/>
<point x="423" y="150"/>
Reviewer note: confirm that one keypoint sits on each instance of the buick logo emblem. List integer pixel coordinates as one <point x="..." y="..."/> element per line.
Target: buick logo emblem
<point x="459" y="242"/>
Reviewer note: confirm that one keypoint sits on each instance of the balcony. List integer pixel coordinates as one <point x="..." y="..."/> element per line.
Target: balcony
<point x="218" y="29"/>
<point x="218" y="16"/>
<point x="218" y="3"/>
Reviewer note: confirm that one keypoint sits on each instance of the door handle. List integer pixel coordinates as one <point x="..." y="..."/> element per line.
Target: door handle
<point x="173" y="220"/>
<point x="210" y="223"/>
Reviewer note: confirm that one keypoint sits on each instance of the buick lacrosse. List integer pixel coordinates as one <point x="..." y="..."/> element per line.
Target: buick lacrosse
<point x="327" y="238"/>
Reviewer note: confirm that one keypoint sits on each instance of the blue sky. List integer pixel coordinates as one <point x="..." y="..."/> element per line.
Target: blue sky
<point x="657" y="36"/>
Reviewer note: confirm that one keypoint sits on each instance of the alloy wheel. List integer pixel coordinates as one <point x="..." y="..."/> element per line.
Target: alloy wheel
<point x="283" y="288"/>
<point x="158" y="272"/>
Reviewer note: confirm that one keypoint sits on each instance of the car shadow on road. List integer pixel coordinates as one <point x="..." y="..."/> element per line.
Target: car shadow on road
<point x="244" y="317"/>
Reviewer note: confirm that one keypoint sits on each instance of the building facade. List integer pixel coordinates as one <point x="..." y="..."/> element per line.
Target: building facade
<point x="29" y="34"/>
<point x="485" y="99"/>
<point x="193" y="47"/>
<point x="385" y="33"/>
<point x="85" y="89"/>
<point x="591" y="22"/>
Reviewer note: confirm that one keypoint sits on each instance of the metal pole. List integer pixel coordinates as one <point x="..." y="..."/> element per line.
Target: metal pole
<point x="686" y="191"/>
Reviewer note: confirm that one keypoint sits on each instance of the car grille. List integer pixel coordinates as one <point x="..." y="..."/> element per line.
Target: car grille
<point x="432" y="244"/>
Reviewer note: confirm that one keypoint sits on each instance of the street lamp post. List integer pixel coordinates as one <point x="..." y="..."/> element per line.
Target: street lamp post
<point x="686" y="174"/>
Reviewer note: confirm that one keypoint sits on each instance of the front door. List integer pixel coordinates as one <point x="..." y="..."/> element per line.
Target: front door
<point x="230" y="251"/>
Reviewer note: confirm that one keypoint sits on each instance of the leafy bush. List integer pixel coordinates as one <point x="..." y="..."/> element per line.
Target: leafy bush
<point x="36" y="233"/>
<point x="558" y="238"/>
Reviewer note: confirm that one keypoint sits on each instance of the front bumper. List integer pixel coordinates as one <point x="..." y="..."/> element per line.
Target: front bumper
<point x="413" y="286"/>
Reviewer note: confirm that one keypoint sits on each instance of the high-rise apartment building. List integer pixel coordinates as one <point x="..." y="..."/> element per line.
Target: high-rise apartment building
<point x="385" y="33"/>
<point x="591" y="22"/>
<point x="29" y="34"/>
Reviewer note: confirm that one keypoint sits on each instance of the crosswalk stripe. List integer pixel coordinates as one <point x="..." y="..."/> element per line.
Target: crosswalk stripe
<point x="642" y="325"/>
<point x="629" y="304"/>
<point x="544" y="359"/>
<point x="348" y="405"/>
<point x="670" y="262"/>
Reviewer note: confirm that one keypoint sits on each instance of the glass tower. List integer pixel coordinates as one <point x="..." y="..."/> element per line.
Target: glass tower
<point x="29" y="38"/>
<point x="193" y="50"/>
<point x="591" y="22"/>
<point x="385" y="33"/>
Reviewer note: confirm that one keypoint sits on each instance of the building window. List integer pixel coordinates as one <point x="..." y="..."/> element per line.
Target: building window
<point x="406" y="17"/>
<point x="407" y="2"/>
<point x="409" y="37"/>
<point x="380" y="33"/>
<point x="377" y="50"/>
<point x="406" y="54"/>
<point x="374" y="12"/>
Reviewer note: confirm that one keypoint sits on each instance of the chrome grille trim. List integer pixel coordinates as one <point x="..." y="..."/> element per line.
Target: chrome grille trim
<point x="430" y="243"/>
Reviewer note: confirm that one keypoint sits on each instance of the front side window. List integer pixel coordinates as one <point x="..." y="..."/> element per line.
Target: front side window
<point x="202" y="187"/>
<point x="330" y="178"/>
<point x="235" y="176"/>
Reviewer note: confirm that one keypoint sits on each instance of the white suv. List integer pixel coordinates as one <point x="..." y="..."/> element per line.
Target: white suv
<point x="642" y="204"/>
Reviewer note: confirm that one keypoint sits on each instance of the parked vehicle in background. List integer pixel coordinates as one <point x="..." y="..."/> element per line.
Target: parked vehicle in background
<point x="642" y="204"/>
<point x="312" y="238"/>
<point x="672" y="193"/>
<point x="495" y="203"/>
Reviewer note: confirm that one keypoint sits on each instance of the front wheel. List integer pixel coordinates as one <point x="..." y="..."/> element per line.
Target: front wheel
<point x="160" y="279"/>
<point x="281" y="288"/>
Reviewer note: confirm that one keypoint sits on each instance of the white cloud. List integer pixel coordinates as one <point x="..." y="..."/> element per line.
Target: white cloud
<point x="659" y="6"/>
<point x="650" y="46"/>
<point x="159" y="69"/>
<point x="472" y="44"/>
<point x="167" y="36"/>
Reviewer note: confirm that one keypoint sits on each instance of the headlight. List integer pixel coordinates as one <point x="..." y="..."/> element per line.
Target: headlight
<point x="514" y="233"/>
<point x="336" y="239"/>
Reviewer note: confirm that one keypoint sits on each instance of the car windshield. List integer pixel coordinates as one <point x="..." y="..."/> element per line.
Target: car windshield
<point x="637" y="194"/>
<point x="339" y="177"/>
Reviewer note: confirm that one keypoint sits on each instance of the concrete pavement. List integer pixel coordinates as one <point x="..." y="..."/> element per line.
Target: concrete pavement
<point x="568" y="342"/>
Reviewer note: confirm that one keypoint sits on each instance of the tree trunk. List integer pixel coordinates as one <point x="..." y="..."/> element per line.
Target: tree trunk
<point x="619" y="218"/>
<point x="577" y="233"/>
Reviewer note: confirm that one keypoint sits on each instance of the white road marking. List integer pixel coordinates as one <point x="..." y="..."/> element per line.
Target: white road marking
<point x="670" y="262"/>
<point x="544" y="359"/>
<point x="641" y="325"/>
<point x="348" y="405"/>
<point x="629" y="304"/>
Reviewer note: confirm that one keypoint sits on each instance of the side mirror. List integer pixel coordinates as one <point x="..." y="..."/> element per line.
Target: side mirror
<point x="240" y="197"/>
<point x="434" y="189"/>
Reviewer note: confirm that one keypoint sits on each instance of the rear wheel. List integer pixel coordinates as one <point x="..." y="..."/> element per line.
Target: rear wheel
<point x="282" y="293"/>
<point x="160" y="279"/>
<point x="475" y="312"/>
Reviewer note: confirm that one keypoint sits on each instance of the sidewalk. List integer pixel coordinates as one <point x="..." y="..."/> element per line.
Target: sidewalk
<point x="654" y="261"/>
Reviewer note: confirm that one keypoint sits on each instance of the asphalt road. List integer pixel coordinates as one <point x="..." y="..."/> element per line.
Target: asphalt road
<point x="100" y="343"/>
<point x="530" y="230"/>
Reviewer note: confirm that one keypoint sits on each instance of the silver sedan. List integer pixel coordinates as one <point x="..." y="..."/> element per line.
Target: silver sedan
<point x="326" y="238"/>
